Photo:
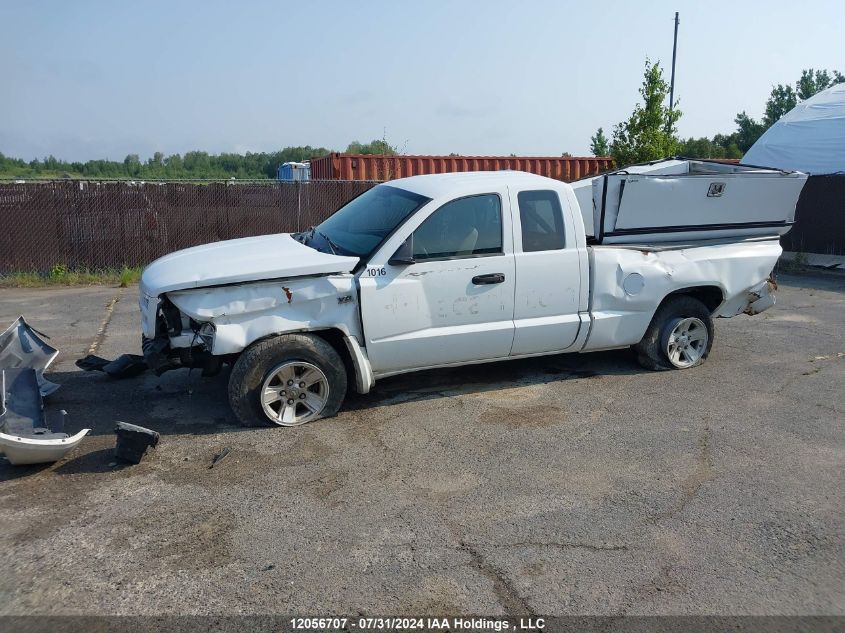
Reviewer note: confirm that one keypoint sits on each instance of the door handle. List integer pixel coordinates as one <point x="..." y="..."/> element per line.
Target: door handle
<point x="492" y="278"/>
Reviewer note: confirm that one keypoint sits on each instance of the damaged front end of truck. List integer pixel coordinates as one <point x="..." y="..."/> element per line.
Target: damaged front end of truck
<point x="206" y="327"/>
<point x="178" y="341"/>
<point x="201" y="307"/>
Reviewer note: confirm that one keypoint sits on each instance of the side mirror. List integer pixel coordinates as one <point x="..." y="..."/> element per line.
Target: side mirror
<point x="404" y="255"/>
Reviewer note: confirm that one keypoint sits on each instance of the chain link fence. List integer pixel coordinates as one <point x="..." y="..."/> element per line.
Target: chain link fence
<point x="96" y="225"/>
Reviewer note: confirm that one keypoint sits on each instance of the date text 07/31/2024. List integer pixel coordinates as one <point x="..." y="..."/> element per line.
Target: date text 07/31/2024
<point x="418" y="623"/>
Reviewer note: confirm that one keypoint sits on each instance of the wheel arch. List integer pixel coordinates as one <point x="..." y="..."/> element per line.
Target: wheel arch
<point x="335" y="337"/>
<point x="347" y="347"/>
<point x="710" y="295"/>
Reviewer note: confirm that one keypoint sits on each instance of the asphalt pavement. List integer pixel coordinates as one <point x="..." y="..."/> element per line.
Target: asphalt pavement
<point x="577" y="484"/>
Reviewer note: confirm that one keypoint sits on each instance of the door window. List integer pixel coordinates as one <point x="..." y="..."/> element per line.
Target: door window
<point x="542" y="221"/>
<point x="465" y="227"/>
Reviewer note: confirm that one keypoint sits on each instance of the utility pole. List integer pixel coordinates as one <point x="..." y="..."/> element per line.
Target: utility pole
<point x="672" y="84"/>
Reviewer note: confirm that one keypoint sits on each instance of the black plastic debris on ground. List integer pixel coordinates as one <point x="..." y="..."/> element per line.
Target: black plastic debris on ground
<point x="133" y="442"/>
<point x="125" y="366"/>
<point x="22" y="410"/>
<point x="219" y="456"/>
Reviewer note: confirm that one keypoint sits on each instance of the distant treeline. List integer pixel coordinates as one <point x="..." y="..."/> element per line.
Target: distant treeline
<point x="192" y="165"/>
<point x="781" y="100"/>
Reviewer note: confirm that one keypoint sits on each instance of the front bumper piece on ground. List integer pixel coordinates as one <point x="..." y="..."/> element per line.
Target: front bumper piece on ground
<point x="25" y="437"/>
<point x="20" y="346"/>
<point x="21" y="451"/>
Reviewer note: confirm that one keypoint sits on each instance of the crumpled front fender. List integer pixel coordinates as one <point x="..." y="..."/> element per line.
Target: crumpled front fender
<point x="244" y="313"/>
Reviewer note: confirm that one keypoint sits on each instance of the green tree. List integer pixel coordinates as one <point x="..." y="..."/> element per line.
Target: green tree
<point x="173" y="165"/>
<point x="784" y="98"/>
<point x="376" y="146"/>
<point x="729" y="143"/>
<point x="650" y="132"/>
<point x="599" y="145"/>
<point x="193" y="165"/>
<point x="132" y="165"/>
<point x="197" y="164"/>
<point x="748" y="131"/>
<point x="157" y="160"/>
<point x="701" y="148"/>
<point x="813" y="81"/>
<point x="781" y="100"/>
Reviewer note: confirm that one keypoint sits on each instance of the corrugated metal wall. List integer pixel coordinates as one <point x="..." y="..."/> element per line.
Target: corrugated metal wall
<point x="338" y="166"/>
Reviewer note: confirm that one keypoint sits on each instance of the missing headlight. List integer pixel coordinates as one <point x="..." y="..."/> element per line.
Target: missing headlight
<point x="172" y="318"/>
<point x="206" y="334"/>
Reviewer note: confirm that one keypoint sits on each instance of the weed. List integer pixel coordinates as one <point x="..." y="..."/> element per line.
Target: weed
<point x="129" y="276"/>
<point x="796" y="264"/>
<point x="62" y="275"/>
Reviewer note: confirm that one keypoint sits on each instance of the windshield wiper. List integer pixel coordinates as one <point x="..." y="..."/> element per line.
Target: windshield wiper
<point x="335" y="248"/>
<point x="304" y="236"/>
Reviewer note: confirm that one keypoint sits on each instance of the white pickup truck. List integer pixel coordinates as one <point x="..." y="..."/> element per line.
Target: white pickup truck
<point x="452" y="269"/>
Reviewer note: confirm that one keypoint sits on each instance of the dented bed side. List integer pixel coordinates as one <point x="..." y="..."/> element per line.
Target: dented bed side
<point x="629" y="283"/>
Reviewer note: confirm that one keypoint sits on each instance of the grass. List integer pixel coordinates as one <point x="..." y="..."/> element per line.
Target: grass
<point x="61" y="275"/>
<point x="797" y="264"/>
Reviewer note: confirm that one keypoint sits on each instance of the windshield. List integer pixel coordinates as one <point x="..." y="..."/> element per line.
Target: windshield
<point x="359" y="226"/>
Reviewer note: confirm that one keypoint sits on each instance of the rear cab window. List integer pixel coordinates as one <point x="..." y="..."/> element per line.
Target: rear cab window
<point x="541" y="219"/>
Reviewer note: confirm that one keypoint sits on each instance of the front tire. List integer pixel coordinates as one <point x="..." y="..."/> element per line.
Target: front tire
<point x="679" y="336"/>
<point x="287" y="380"/>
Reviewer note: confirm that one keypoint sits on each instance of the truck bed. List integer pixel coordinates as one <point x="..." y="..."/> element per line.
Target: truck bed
<point x="627" y="282"/>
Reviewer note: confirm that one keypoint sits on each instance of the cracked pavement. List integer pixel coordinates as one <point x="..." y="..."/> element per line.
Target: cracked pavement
<point x="560" y="485"/>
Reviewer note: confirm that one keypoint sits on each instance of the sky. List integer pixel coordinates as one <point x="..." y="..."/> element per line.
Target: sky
<point x="85" y="79"/>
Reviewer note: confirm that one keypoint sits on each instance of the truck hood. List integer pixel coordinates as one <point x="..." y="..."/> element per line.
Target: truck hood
<point x="259" y="258"/>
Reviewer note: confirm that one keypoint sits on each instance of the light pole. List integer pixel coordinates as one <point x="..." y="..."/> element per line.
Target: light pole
<point x="672" y="82"/>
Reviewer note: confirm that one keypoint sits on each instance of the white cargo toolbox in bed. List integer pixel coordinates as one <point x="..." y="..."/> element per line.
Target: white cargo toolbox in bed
<point x="688" y="200"/>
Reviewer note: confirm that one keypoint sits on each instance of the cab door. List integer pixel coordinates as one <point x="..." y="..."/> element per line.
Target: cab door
<point x="548" y="272"/>
<point x="451" y="299"/>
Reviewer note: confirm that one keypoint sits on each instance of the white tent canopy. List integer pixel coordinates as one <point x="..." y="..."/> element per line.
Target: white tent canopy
<point x="809" y="138"/>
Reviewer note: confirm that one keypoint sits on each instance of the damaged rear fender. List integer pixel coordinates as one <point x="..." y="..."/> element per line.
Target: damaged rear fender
<point x="629" y="283"/>
<point x="755" y="300"/>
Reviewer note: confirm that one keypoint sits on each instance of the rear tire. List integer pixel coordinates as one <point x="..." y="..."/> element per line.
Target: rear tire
<point x="679" y="336"/>
<point x="287" y="380"/>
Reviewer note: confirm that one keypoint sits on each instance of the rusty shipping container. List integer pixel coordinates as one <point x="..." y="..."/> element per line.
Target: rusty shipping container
<point x="337" y="166"/>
